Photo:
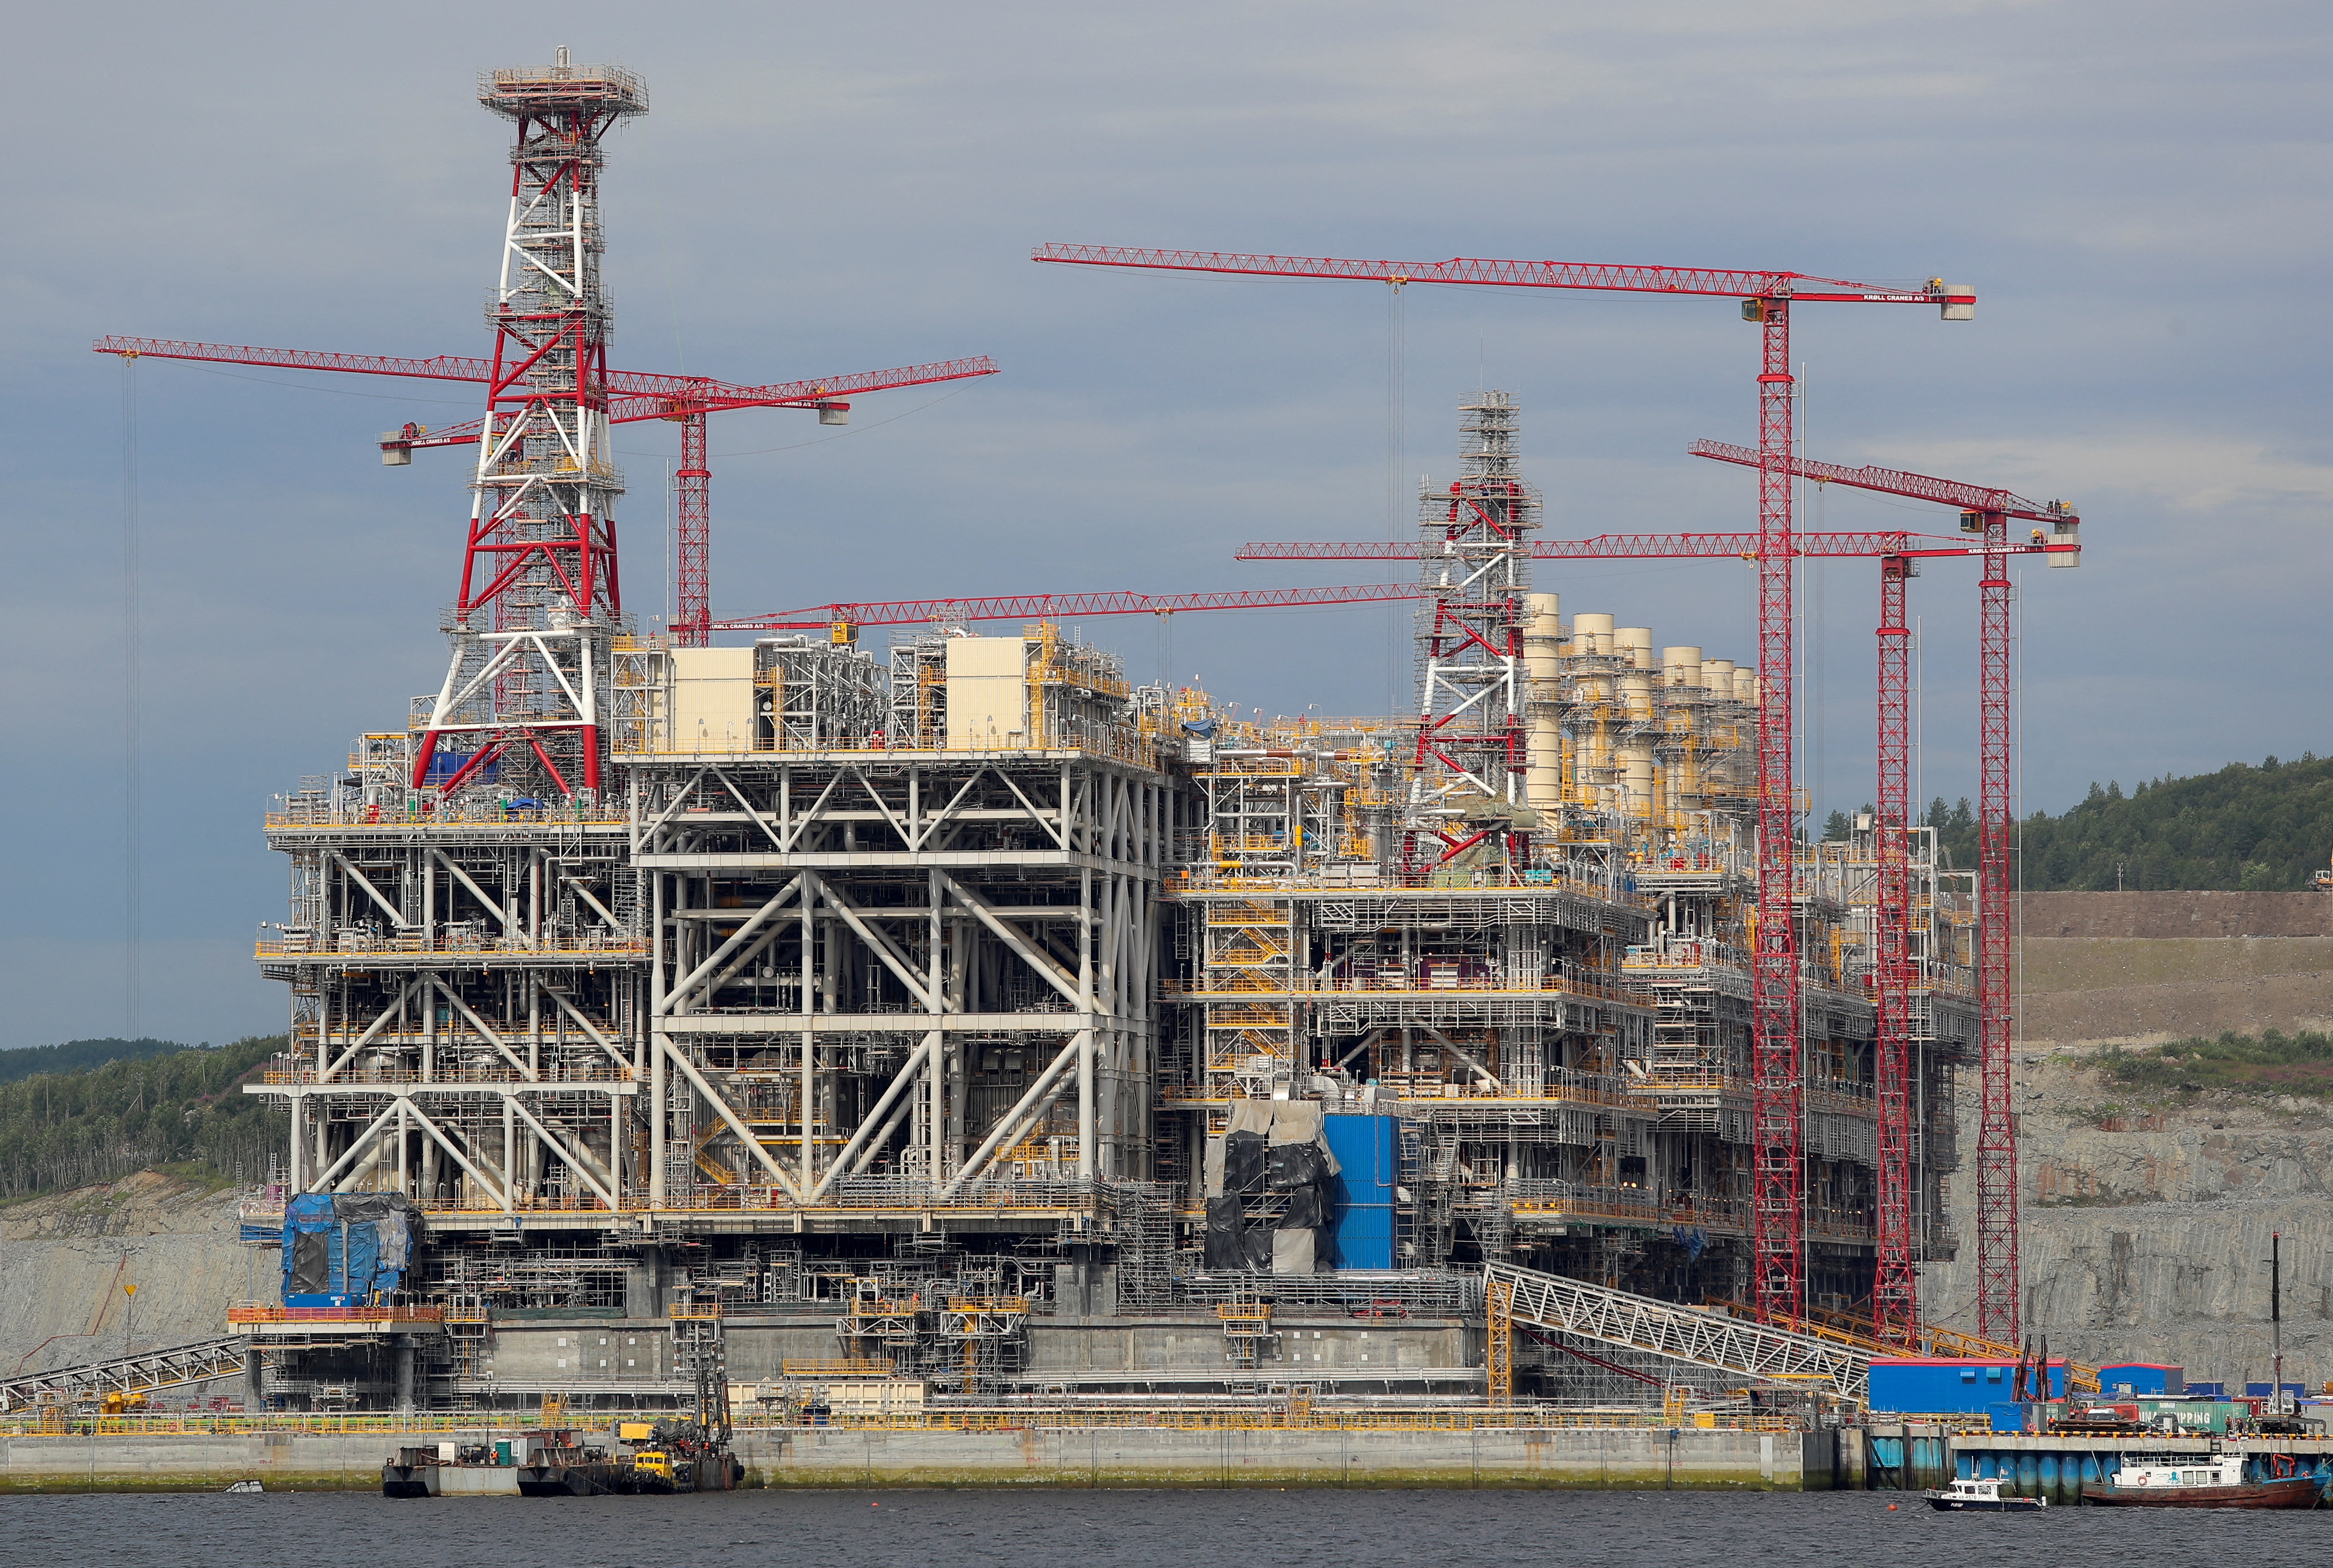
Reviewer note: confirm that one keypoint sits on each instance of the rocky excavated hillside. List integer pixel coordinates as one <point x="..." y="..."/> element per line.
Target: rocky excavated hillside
<point x="65" y="1258"/>
<point x="2149" y="1208"/>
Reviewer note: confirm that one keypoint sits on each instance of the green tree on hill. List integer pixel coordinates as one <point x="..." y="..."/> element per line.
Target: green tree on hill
<point x="60" y="1130"/>
<point x="2264" y="829"/>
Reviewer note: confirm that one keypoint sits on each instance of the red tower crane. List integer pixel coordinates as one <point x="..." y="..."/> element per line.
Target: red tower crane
<point x="846" y="618"/>
<point x="631" y="395"/>
<point x="1894" y="1289"/>
<point x="1985" y="511"/>
<point x="1767" y="296"/>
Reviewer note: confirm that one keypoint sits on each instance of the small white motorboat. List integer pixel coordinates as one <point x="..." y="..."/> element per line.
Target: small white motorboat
<point x="1982" y="1496"/>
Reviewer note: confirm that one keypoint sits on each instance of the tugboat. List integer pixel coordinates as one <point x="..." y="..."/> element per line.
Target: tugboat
<point x="1982" y="1496"/>
<point x="2214" y="1483"/>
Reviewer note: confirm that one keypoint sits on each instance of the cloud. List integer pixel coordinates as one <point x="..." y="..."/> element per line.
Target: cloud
<point x="2181" y="471"/>
<point x="820" y="189"/>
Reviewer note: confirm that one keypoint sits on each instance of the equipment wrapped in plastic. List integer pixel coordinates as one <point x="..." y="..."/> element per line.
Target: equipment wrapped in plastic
<point x="1224" y="1227"/>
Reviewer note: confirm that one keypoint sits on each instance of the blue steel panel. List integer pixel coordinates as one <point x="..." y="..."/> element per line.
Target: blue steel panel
<point x="1366" y="1148"/>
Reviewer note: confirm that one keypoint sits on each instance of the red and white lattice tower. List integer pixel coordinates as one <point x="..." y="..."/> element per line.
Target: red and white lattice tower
<point x="1474" y="568"/>
<point x="1894" y="1290"/>
<point x="692" y="534"/>
<point x="540" y="599"/>
<point x="1778" y="1274"/>
<point x="1997" y="1304"/>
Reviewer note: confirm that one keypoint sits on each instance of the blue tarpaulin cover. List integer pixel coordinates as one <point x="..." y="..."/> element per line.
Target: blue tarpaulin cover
<point x="341" y="1249"/>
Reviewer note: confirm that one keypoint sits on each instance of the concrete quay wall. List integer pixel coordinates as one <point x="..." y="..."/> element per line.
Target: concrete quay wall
<point x="1587" y="1459"/>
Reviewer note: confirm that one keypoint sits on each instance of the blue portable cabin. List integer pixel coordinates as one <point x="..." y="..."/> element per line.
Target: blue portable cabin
<point x="1941" y="1385"/>
<point x="2142" y="1378"/>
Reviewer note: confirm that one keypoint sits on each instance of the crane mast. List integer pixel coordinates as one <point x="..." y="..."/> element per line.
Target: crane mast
<point x="1985" y="512"/>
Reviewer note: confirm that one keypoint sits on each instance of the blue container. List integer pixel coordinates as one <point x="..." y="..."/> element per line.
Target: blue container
<point x="1368" y="1148"/>
<point x="2207" y="1390"/>
<point x="443" y="765"/>
<point x="1935" y="1385"/>
<point x="2142" y="1378"/>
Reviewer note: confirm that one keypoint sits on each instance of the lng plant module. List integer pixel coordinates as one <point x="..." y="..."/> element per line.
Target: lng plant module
<point x="959" y="1015"/>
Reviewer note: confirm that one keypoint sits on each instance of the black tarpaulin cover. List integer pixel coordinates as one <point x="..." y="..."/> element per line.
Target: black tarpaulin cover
<point x="1304" y="1206"/>
<point x="1288" y="1166"/>
<point x="311" y="1270"/>
<point x="1224" y="1234"/>
<point x="1244" y="1163"/>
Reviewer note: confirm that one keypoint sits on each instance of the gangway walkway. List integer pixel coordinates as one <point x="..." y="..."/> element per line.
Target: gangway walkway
<point x="1933" y="1339"/>
<point x="1682" y="1333"/>
<point x="143" y="1373"/>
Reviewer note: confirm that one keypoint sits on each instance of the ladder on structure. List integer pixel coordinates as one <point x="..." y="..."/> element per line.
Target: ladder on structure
<point x="143" y="1373"/>
<point x="1682" y="1333"/>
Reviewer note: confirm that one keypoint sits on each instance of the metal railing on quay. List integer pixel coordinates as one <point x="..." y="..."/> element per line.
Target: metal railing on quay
<point x="1316" y="1418"/>
<point x="1292" y="1417"/>
<point x="1955" y="1423"/>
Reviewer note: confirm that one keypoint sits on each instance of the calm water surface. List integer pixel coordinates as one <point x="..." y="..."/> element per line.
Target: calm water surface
<point x="1039" y="1529"/>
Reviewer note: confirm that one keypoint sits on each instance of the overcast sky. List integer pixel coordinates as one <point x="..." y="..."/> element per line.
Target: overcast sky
<point x="2138" y="194"/>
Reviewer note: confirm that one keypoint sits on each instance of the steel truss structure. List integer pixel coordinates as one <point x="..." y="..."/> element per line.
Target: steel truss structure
<point x="540" y="596"/>
<point x="1474" y="569"/>
<point x="1707" y="1339"/>
<point x="975" y="949"/>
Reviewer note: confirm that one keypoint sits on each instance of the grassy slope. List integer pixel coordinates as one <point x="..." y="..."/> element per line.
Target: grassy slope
<point x="2272" y="1062"/>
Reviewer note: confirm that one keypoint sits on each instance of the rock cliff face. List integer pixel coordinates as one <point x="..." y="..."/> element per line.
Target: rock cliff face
<point x="64" y="1259"/>
<point x="2146" y="1235"/>
<point x="2146" y="1227"/>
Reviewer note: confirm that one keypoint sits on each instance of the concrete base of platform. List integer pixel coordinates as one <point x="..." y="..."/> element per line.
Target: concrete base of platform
<point x="1619" y="1458"/>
